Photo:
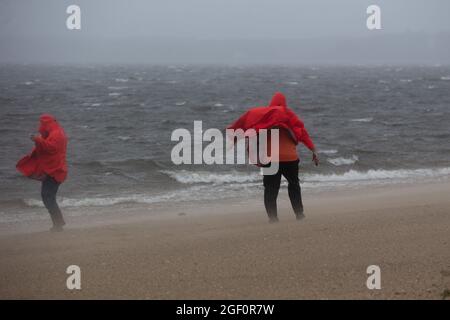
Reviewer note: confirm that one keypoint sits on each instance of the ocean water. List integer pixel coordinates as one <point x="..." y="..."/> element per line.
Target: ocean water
<point x="372" y="125"/>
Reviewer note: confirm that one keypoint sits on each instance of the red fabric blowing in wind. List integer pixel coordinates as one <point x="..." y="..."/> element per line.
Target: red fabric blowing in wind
<point x="48" y="157"/>
<point x="276" y="115"/>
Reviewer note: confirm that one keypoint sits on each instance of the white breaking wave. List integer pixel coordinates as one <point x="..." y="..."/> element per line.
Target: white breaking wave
<point x="343" y="161"/>
<point x="235" y="184"/>
<point x="362" y="119"/>
<point x="328" y="151"/>
<point x="446" y="78"/>
<point x="378" y="174"/>
<point x="188" y="194"/>
<point x="191" y="177"/>
<point x="101" y="201"/>
<point x="121" y="80"/>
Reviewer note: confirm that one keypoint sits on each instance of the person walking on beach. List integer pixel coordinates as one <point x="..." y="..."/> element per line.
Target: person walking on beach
<point x="47" y="163"/>
<point x="291" y="131"/>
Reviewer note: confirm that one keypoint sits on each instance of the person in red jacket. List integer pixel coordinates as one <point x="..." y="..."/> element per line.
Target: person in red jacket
<point x="291" y="131"/>
<point x="288" y="163"/>
<point x="47" y="163"/>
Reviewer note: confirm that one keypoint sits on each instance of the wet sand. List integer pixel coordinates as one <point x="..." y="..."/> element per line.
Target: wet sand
<point x="405" y="230"/>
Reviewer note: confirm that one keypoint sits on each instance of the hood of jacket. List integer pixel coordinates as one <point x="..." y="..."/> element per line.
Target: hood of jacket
<point x="47" y="124"/>
<point x="278" y="100"/>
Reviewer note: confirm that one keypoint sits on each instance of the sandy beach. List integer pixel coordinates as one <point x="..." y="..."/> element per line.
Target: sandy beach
<point x="403" y="229"/>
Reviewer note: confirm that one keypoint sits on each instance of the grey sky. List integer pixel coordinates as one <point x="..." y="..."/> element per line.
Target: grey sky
<point x="186" y="26"/>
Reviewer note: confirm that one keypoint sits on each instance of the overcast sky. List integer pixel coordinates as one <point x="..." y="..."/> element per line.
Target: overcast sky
<point x="38" y="26"/>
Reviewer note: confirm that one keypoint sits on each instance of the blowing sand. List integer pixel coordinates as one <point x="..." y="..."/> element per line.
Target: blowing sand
<point x="405" y="230"/>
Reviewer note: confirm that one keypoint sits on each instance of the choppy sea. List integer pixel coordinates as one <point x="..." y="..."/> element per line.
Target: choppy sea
<point x="372" y="125"/>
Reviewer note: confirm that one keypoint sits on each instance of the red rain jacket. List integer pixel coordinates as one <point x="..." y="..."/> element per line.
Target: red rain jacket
<point x="277" y="114"/>
<point x="48" y="157"/>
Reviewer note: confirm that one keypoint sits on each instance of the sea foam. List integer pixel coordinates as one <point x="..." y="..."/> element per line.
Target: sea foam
<point x="341" y="161"/>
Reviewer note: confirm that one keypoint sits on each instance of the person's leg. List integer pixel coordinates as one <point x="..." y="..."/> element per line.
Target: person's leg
<point x="48" y="193"/>
<point x="271" y="188"/>
<point x="290" y="172"/>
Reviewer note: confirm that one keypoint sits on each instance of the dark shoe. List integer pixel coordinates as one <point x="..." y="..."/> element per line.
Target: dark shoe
<point x="300" y="216"/>
<point x="56" y="229"/>
<point x="273" y="219"/>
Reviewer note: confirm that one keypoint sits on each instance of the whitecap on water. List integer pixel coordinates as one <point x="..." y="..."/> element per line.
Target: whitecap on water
<point x="341" y="161"/>
<point x="181" y="103"/>
<point x="328" y="151"/>
<point x="117" y="88"/>
<point x="362" y="119"/>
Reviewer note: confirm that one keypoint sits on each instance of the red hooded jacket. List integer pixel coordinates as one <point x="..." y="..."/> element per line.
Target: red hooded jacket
<point x="48" y="157"/>
<point x="277" y="114"/>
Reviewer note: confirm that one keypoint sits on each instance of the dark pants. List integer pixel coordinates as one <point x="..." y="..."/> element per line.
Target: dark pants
<point x="272" y="185"/>
<point x="48" y="193"/>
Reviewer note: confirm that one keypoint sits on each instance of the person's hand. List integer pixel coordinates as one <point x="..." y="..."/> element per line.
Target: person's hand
<point x="315" y="159"/>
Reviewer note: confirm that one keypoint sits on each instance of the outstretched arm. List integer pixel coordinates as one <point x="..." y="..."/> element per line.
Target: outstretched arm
<point x="303" y="136"/>
<point x="306" y="140"/>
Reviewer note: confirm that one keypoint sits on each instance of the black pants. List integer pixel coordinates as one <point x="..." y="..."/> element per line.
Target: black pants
<point x="272" y="185"/>
<point x="48" y="193"/>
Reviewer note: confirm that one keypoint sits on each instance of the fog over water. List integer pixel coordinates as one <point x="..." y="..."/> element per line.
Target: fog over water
<point x="225" y="32"/>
